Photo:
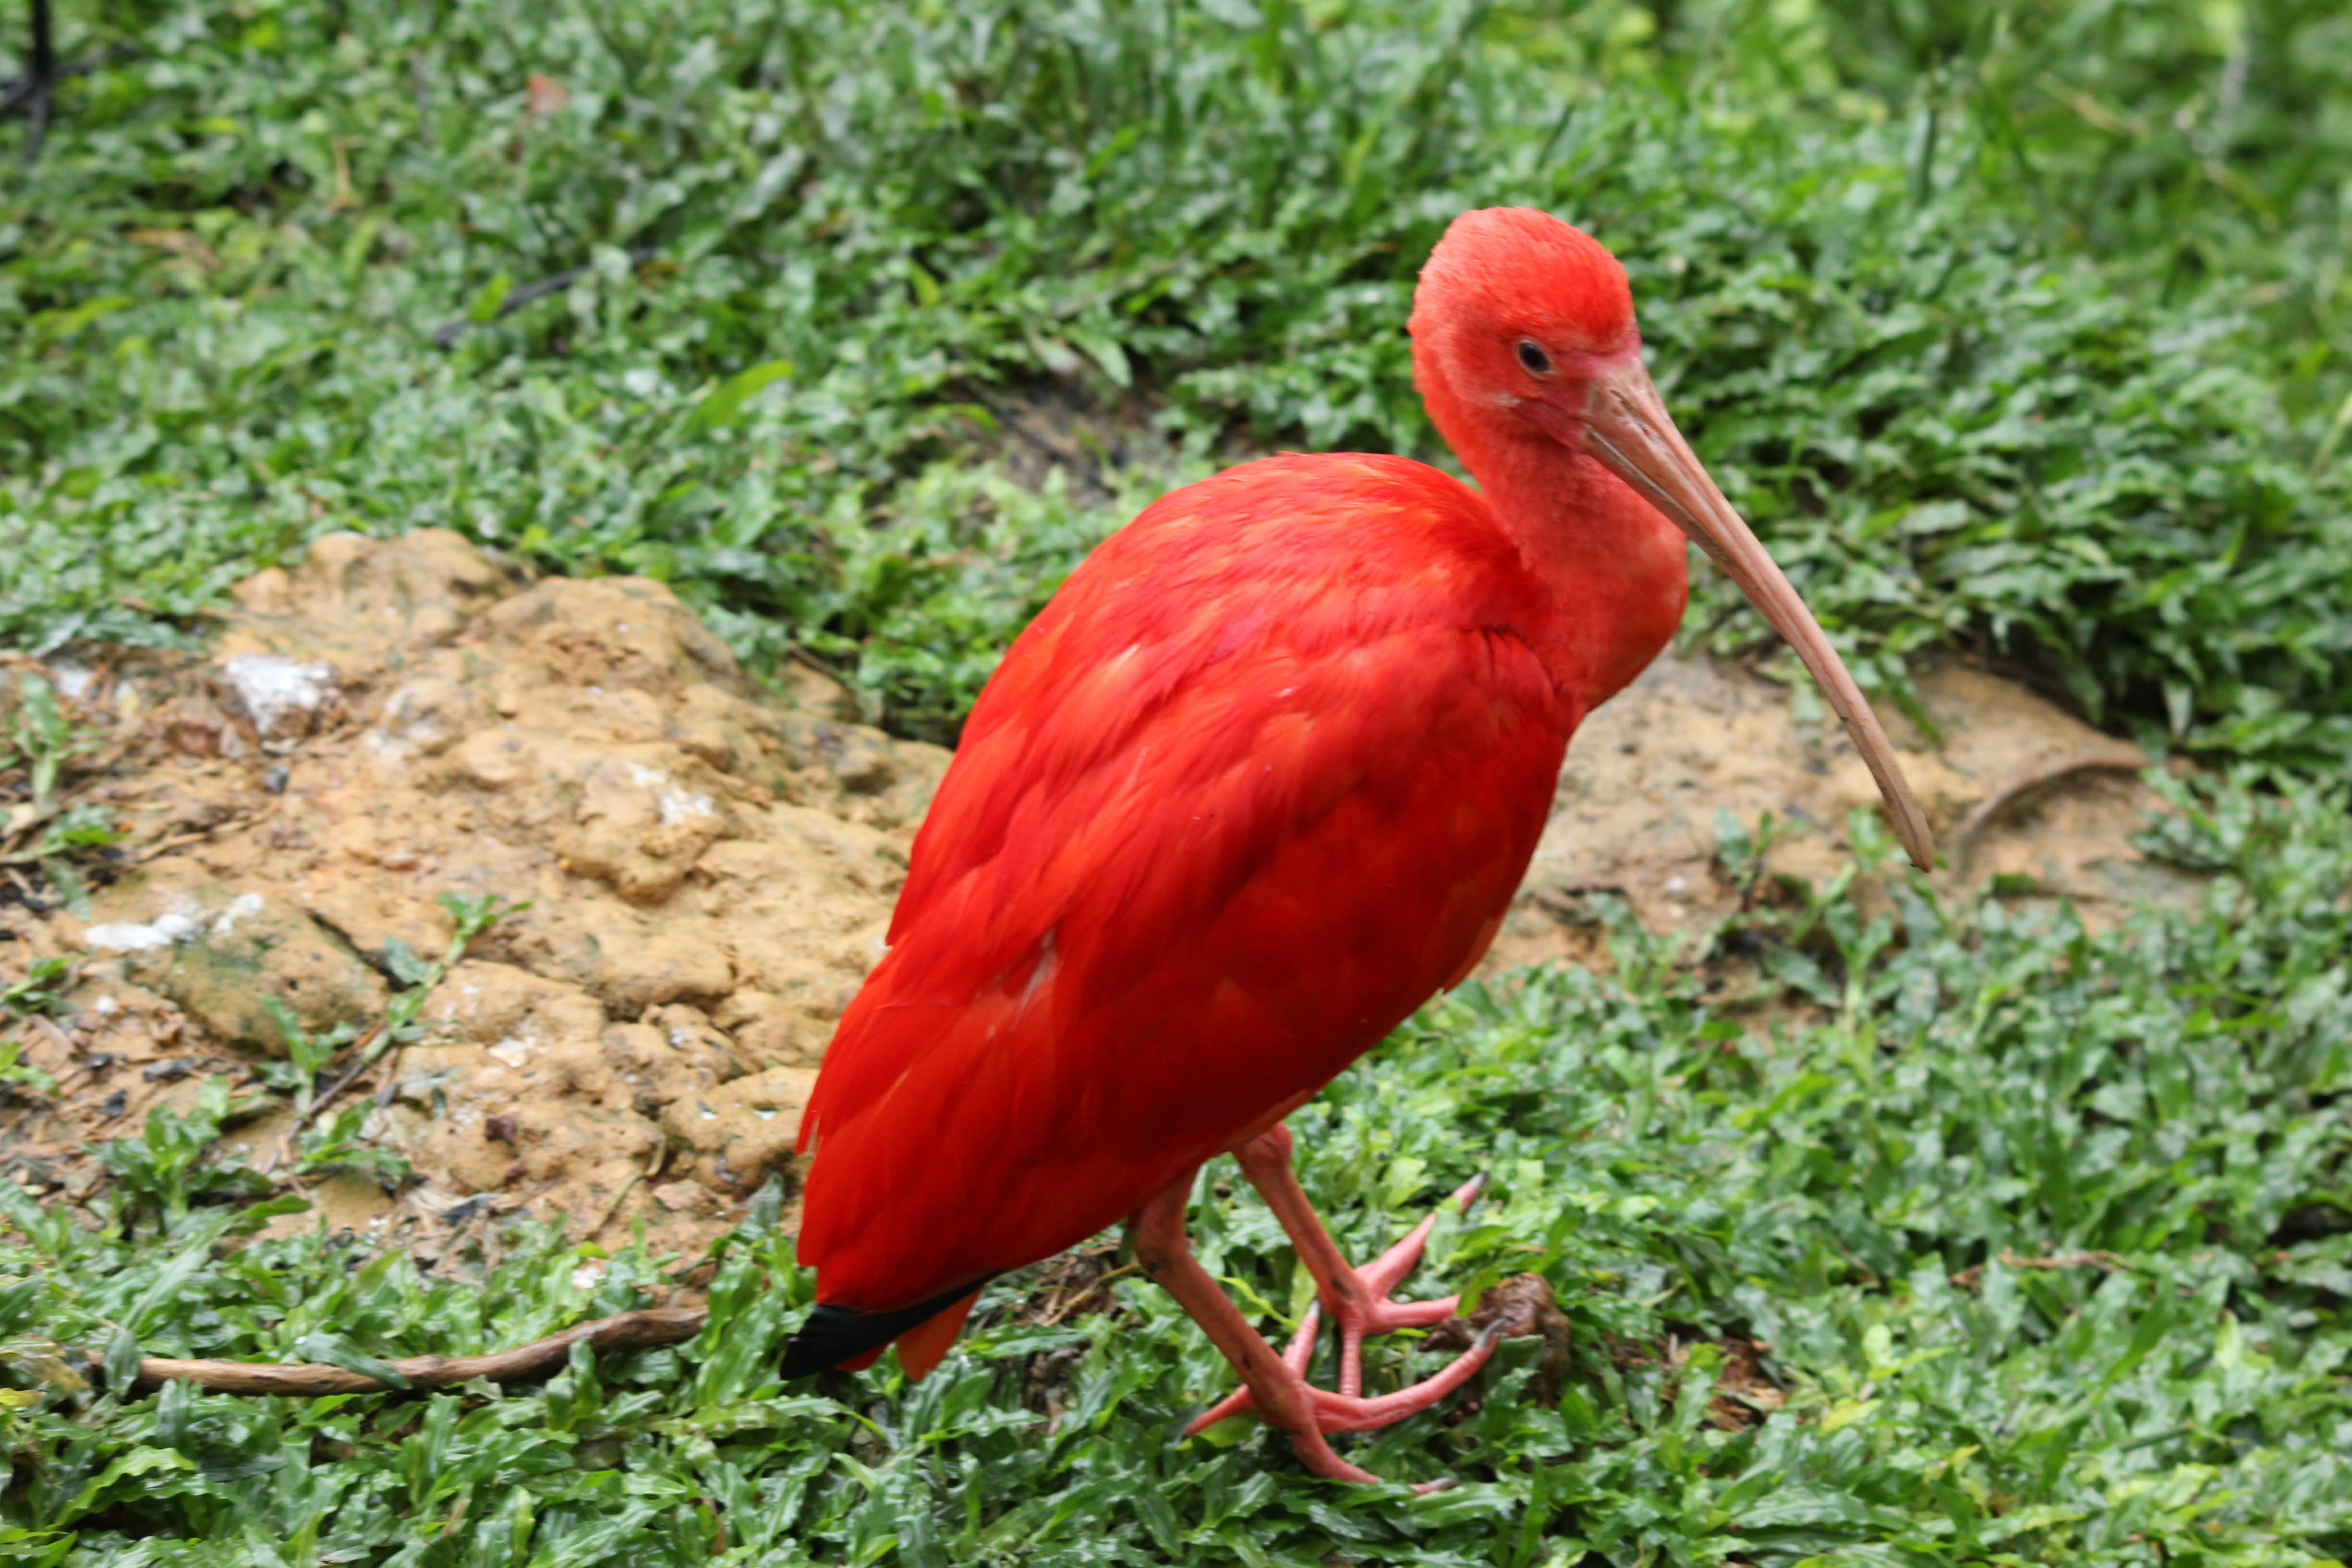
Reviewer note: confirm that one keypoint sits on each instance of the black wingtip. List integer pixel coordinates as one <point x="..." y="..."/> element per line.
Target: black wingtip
<point x="835" y="1334"/>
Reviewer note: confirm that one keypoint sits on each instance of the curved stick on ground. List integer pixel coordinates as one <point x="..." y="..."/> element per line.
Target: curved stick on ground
<point x="640" y="1329"/>
<point x="1965" y="838"/>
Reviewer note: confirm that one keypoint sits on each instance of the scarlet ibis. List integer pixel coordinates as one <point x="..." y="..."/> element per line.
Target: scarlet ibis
<point x="1260" y="780"/>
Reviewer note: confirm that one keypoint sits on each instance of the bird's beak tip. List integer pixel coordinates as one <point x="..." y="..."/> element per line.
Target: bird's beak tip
<point x="1626" y="427"/>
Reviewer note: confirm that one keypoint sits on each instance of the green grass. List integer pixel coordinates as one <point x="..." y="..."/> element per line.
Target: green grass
<point x="2024" y="331"/>
<point x="2007" y="332"/>
<point x="1973" y="1088"/>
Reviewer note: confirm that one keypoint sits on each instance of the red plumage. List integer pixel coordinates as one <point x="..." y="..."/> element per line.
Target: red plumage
<point x="1261" y="777"/>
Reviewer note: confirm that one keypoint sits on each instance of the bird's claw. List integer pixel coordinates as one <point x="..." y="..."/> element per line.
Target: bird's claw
<point x="1295" y="1356"/>
<point x="1364" y="1308"/>
<point x="1310" y="1414"/>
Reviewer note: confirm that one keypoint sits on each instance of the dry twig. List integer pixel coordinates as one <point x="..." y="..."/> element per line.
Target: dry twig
<point x="2000" y="800"/>
<point x="639" y="1330"/>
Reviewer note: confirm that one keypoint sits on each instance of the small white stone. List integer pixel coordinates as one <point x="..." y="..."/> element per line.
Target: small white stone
<point x="244" y="904"/>
<point x="274" y="689"/>
<point x="123" y="936"/>
<point x="514" y="1050"/>
<point x="675" y="805"/>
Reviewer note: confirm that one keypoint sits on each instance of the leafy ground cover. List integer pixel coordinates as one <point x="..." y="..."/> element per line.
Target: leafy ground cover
<point x="2018" y="330"/>
<point x="2026" y="331"/>
<point x="2030" y="1248"/>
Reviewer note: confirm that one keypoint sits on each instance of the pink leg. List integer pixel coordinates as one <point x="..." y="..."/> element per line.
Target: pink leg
<point x="1277" y="1384"/>
<point x="1356" y="1298"/>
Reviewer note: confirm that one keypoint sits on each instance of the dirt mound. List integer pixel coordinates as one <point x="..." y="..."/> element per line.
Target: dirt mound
<point x="708" y="865"/>
<point x="2021" y="793"/>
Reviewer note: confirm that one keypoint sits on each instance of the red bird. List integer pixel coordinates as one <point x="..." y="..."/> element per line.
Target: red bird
<point x="1262" y="778"/>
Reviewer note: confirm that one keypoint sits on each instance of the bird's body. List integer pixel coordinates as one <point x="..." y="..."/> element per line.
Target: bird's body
<point x="1261" y="779"/>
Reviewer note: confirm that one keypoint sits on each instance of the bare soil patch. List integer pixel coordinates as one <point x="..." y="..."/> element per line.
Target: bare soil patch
<point x="709" y="863"/>
<point x="2022" y="796"/>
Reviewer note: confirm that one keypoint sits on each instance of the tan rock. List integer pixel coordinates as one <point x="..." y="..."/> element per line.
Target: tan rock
<point x="709" y="861"/>
<point x="368" y="605"/>
<point x="683" y="1197"/>
<point x="1635" y="814"/>
<point x="770" y="1031"/>
<point x="491" y="1001"/>
<point x="603" y="635"/>
<point x="640" y="820"/>
<point x="740" y="1132"/>
<point x="631" y="960"/>
<point x="223" y="957"/>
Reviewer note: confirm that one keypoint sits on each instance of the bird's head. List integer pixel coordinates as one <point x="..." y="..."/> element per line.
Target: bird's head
<point x="1525" y="352"/>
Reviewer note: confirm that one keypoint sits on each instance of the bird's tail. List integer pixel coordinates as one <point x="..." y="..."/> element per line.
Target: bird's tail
<point x="853" y="1340"/>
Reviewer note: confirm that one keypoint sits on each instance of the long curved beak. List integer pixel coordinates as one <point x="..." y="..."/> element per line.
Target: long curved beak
<point x="1627" y="427"/>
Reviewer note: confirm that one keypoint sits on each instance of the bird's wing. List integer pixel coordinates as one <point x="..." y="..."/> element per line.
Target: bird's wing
<point x="1240" y="800"/>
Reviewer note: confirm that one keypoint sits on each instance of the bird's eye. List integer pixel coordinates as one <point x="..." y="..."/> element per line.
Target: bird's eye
<point x="1537" y="362"/>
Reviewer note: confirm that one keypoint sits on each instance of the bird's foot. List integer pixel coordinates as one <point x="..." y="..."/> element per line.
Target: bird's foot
<point x="1308" y="1413"/>
<point x="1281" y="1393"/>
<point x="1363" y="1304"/>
